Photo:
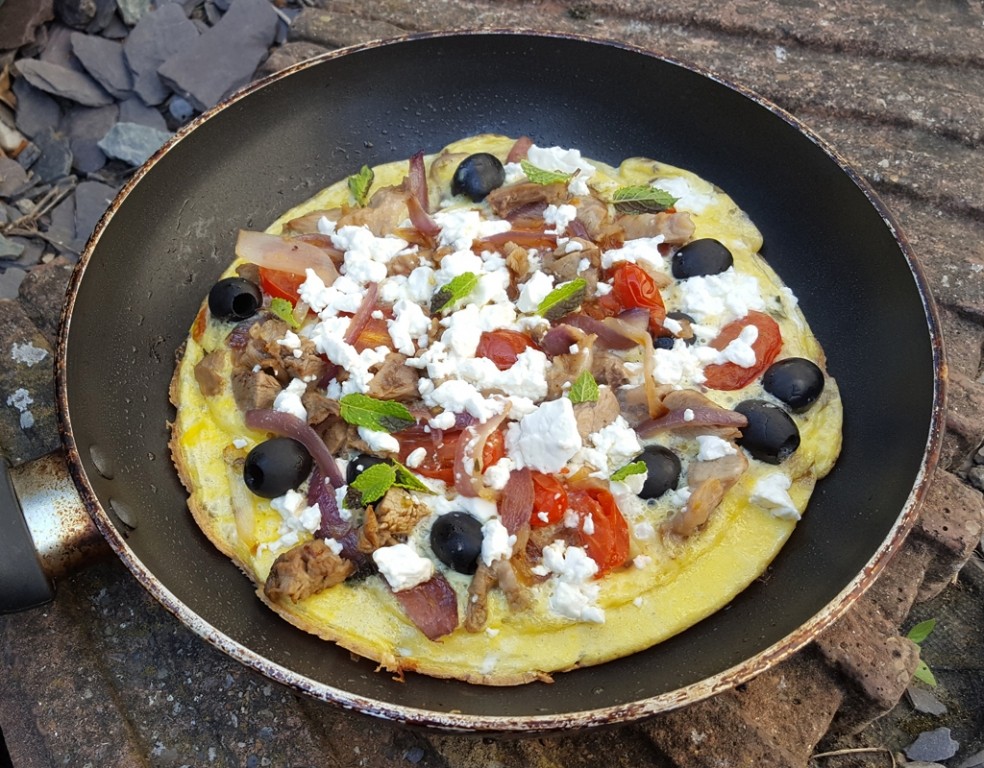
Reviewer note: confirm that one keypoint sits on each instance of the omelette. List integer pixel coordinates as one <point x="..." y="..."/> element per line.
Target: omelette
<point x="502" y="411"/>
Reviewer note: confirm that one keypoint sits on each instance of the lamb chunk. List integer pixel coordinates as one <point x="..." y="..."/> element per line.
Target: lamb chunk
<point x="476" y="606"/>
<point x="608" y="368"/>
<point x="513" y="197"/>
<point x="308" y="366"/>
<point x="209" y="374"/>
<point x="254" y="390"/>
<point x="594" y="416"/>
<point x="394" y="380"/>
<point x="517" y="260"/>
<point x="593" y="214"/>
<point x="318" y="406"/>
<point x="566" y="368"/>
<point x="386" y="210"/>
<point x="563" y="267"/>
<point x="341" y="437"/>
<point x="305" y="570"/>
<point x="676" y="228"/>
<point x="398" y="513"/>
<point x="249" y="271"/>
<point x="308" y="223"/>
<point x="633" y="404"/>
<point x="405" y="264"/>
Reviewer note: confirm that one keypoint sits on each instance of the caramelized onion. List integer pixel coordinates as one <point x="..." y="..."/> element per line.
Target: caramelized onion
<point x="288" y="425"/>
<point x="420" y="219"/>
<point x="519" y="149"/>
<point x="285" y="255"/>
<point x="516" y="501"/>
<point x="699" y="418"/>
<point x="432" y="606"/>
<point x="358" y="322"/>
<point x="417" y="180"/>
<point x="610" y="335"/>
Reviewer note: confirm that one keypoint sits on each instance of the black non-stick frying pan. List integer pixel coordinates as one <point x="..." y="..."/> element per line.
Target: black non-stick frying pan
<point x="171" y="232"/>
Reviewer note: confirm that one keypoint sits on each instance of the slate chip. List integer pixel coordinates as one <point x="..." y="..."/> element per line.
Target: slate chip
<point x="932" y="746"/>
<point x="132" y="10"/>
<point x="76" y="13"/>
<point x="10" y="282"/>
<point x="9" y="248"/>
<point x="225" y="57"/>
<point x="105" y="13"/>
<point x="103" y="59"/>
<point x="133" y="110"/>
<point x="13" y="178"/>
<point x="20" y="19"/>
<point x="91" y="200"/>
<point x="924" y="701"/>
<point x="86" y="127"/>
<point x="132" y="143"/>
<point x="36" y="110"/>
<point x="62" y="81"/>
<point x="974" y="761"/>
<point x="55" y="161"/>
<point x="57" y="49"/>
<point x="61" y="229"/>
<point x="159" y="35"/>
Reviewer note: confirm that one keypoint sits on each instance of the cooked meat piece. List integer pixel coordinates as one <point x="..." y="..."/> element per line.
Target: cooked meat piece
<point x="633" y="404"/>
<point x="308" y="366"/>
<point x="593" y="214"/>
<point x="304" y="571"/>
<point x="593" y="416"/>
<point x="517" y="260"/>
<point x="676" y="228"/>
<point x="562" y="267"/>
<point x="370" y="537"/>
<point x="405" y="264"/>
<point x="341" y="437"/>
<point x="705" y="418"/>
<point x="254" y="390"/>
<point x="208" y="372"/>
<point x="476" y="606"/>
<point x="513" y="197"/>
<point x="398" y="513"/>
<point x="263" y="349"/>
<point x="394" y="380"/>
<point x="517" y="595"/>
<point x="318" y="406"/>
<point x="727" y="469"/>
<point x="709" y="481"/>
<point x="566" y="368"/>
<point x="249" y="271"/>
<point x="386" y="210"/>
<point x="608" y="368"/>
<point x="308" y="223"/>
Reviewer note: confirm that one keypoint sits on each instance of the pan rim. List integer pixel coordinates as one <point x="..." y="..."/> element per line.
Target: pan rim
<point x="619" y="713"/>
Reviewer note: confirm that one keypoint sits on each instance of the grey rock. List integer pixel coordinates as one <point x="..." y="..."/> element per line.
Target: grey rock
<point x="91" y="200"/>
<point x="131" y="11"/>
<point x="115" y="29"/>
<point x="924" y="701"/>
<point x="57" y="48"/>
<point x="28" y="155"/>
<point x="158" y="36"/>
<point x="61" y="229"/>
<point x="32" y="253"/>
<point x="225" y="57"/>
<point x="9" y="248"/>
<point x="932" y="746"/>
<point x="133" y="143"/>
<point x="133" y="110"/>
<point x="105" y="13"/>
<point x="334" y="30"/>
<point x="10" y="282"/>
<point x="86" y="127"/>
<point x="222" y="5"/>
<point x="13" y="178"/>
<point x="20" y="20"/>
<point x="103" y="59"/>
<point x="180" y="109"/>
<point x="288" y="54"/>
<point x="212" y="12"/>
<point x="76" y="13"/>
<point x="64" y="82"/>
<point x="974" y="761"/>
<point x="36" y="110"/>
<point x="56" y="155"/>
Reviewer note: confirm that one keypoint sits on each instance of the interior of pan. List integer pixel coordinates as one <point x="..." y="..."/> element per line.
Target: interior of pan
<point x="158" y="254"/>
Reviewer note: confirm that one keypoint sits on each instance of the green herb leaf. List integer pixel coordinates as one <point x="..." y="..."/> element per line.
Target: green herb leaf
<point x="373" y="483"/>
<point x="541" y="176"/>
<point x="584" y="389"/>
<point x="563" y="300"/>
<point x="924" y="674"/>
<point x="408" y="480"/>
<point x="921" y="631"/>
<point x="285" y="311"/>
<point x="360" y="183"/>
<point x="642" y="198"/>
<point x="377" y="415"/>
<point x="453" y="292"/>
<point x="635" y="468"/>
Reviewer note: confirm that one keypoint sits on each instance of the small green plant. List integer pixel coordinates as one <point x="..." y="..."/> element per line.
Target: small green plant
<point x="917" y="634"/>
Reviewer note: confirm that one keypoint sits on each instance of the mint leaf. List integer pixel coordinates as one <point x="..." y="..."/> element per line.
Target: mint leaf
<point x="453" y="292"/>
<point x="642" y="198"/>
<point x="541" y="176"/>
<point x="921" y="631"/>
<point x="373" y="483"/>
<point x="563" y="300"/>
<point x="285" y="311"/>
<point x="924" y="674"/>
<point x="584" y="389"/>
<point x="360" y="183"/>
<point x="377" y="415"/>
<point x="635" y="468"/>
<point x="408" y="480"/>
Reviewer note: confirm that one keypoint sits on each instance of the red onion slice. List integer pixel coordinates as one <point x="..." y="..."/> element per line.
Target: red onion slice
<point x="699" y="418"/>
<point x="417" y="180"/>
<point x="288" y="425"/>
<point x="431" y="606"/>
<point x="519" y="149"/>
<point x="359" y="320"/>
<point x="609" y="336"/>
<point x="516" y="501"/>
<point x="470" y="445"/>
<point x="420" y="219"/>
<point x="285" y="255"/>
<point x="525" y="238"/>
<point x="558" y="340"/>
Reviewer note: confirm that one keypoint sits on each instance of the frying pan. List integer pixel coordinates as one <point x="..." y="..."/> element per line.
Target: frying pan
<point x="171" y="232"/>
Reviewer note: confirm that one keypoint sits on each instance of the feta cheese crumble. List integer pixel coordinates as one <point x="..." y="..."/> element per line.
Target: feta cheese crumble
<point x="772" y="493"/>
<point x="402" y="566"/>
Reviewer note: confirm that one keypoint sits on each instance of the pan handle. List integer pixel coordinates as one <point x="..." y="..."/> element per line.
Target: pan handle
<point x="45" y="531"/>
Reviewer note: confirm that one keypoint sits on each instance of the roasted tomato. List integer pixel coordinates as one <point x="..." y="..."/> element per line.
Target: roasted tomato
<point x="439" y="461"/>
<point x="549" y="500"/>
<point x="606" y="539"/>
<point x="633" y="288"/>
<point x="280" y="285"/>
<point x="503" y="347"/>
<point x="730" y="376"/>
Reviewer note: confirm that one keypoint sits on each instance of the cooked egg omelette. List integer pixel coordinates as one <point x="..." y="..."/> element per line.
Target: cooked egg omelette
<point x="502" y="411"/>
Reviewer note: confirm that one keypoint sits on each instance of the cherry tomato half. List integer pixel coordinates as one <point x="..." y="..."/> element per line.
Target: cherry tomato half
<point x="633" y="288"/>
<point x="503" y="347"/>
<point x="549" y="500"/>
<point x="730" y="376"/>
<point x="439" y="461"/>
<point x="280" y="285"/>
<point x="607" y="539"/>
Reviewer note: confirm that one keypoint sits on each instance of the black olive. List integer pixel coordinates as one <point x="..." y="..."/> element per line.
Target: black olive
<point x="663" y="467"/>
<point x="796" y="381"/>
<point x="360" y="464"/>
<point x="771" y="435"/>
<point x="477" y="175"/>
<point x="700" y="258"/>
<point x="275" y="466"/>
<point x="687" y="332"/>
<point x="234" y="298"/>
<point x="456" y="539"/>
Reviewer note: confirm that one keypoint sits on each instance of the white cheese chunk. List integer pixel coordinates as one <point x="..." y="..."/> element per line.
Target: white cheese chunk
<point x="772" y="493"/>
<point x="497" y="544"/>
<point x="288" y="400"/>
<point x="545" y="439"/>
<point x="402" y="566"/>
<point x="712" y="447"/>
<point x="382" y="442"/>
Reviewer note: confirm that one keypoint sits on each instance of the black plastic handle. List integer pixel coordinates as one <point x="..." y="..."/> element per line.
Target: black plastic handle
<point x="23" y="582"/>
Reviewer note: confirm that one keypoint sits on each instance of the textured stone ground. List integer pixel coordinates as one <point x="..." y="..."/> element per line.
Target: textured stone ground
<point x="104" y="677"/>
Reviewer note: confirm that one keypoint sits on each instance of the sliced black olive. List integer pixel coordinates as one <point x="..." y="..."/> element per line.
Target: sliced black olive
<point x="234" y="298"/>
<point x="477" y="175"/>
<point x="796" y="381"/>
<point x="275" y="466"/>
<point x="456" y="539"/>
<point x="700" y="258"/>
<point x="771" y="435"/>
<point x="360" y="464"/>
<point x="663" y="467"/>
